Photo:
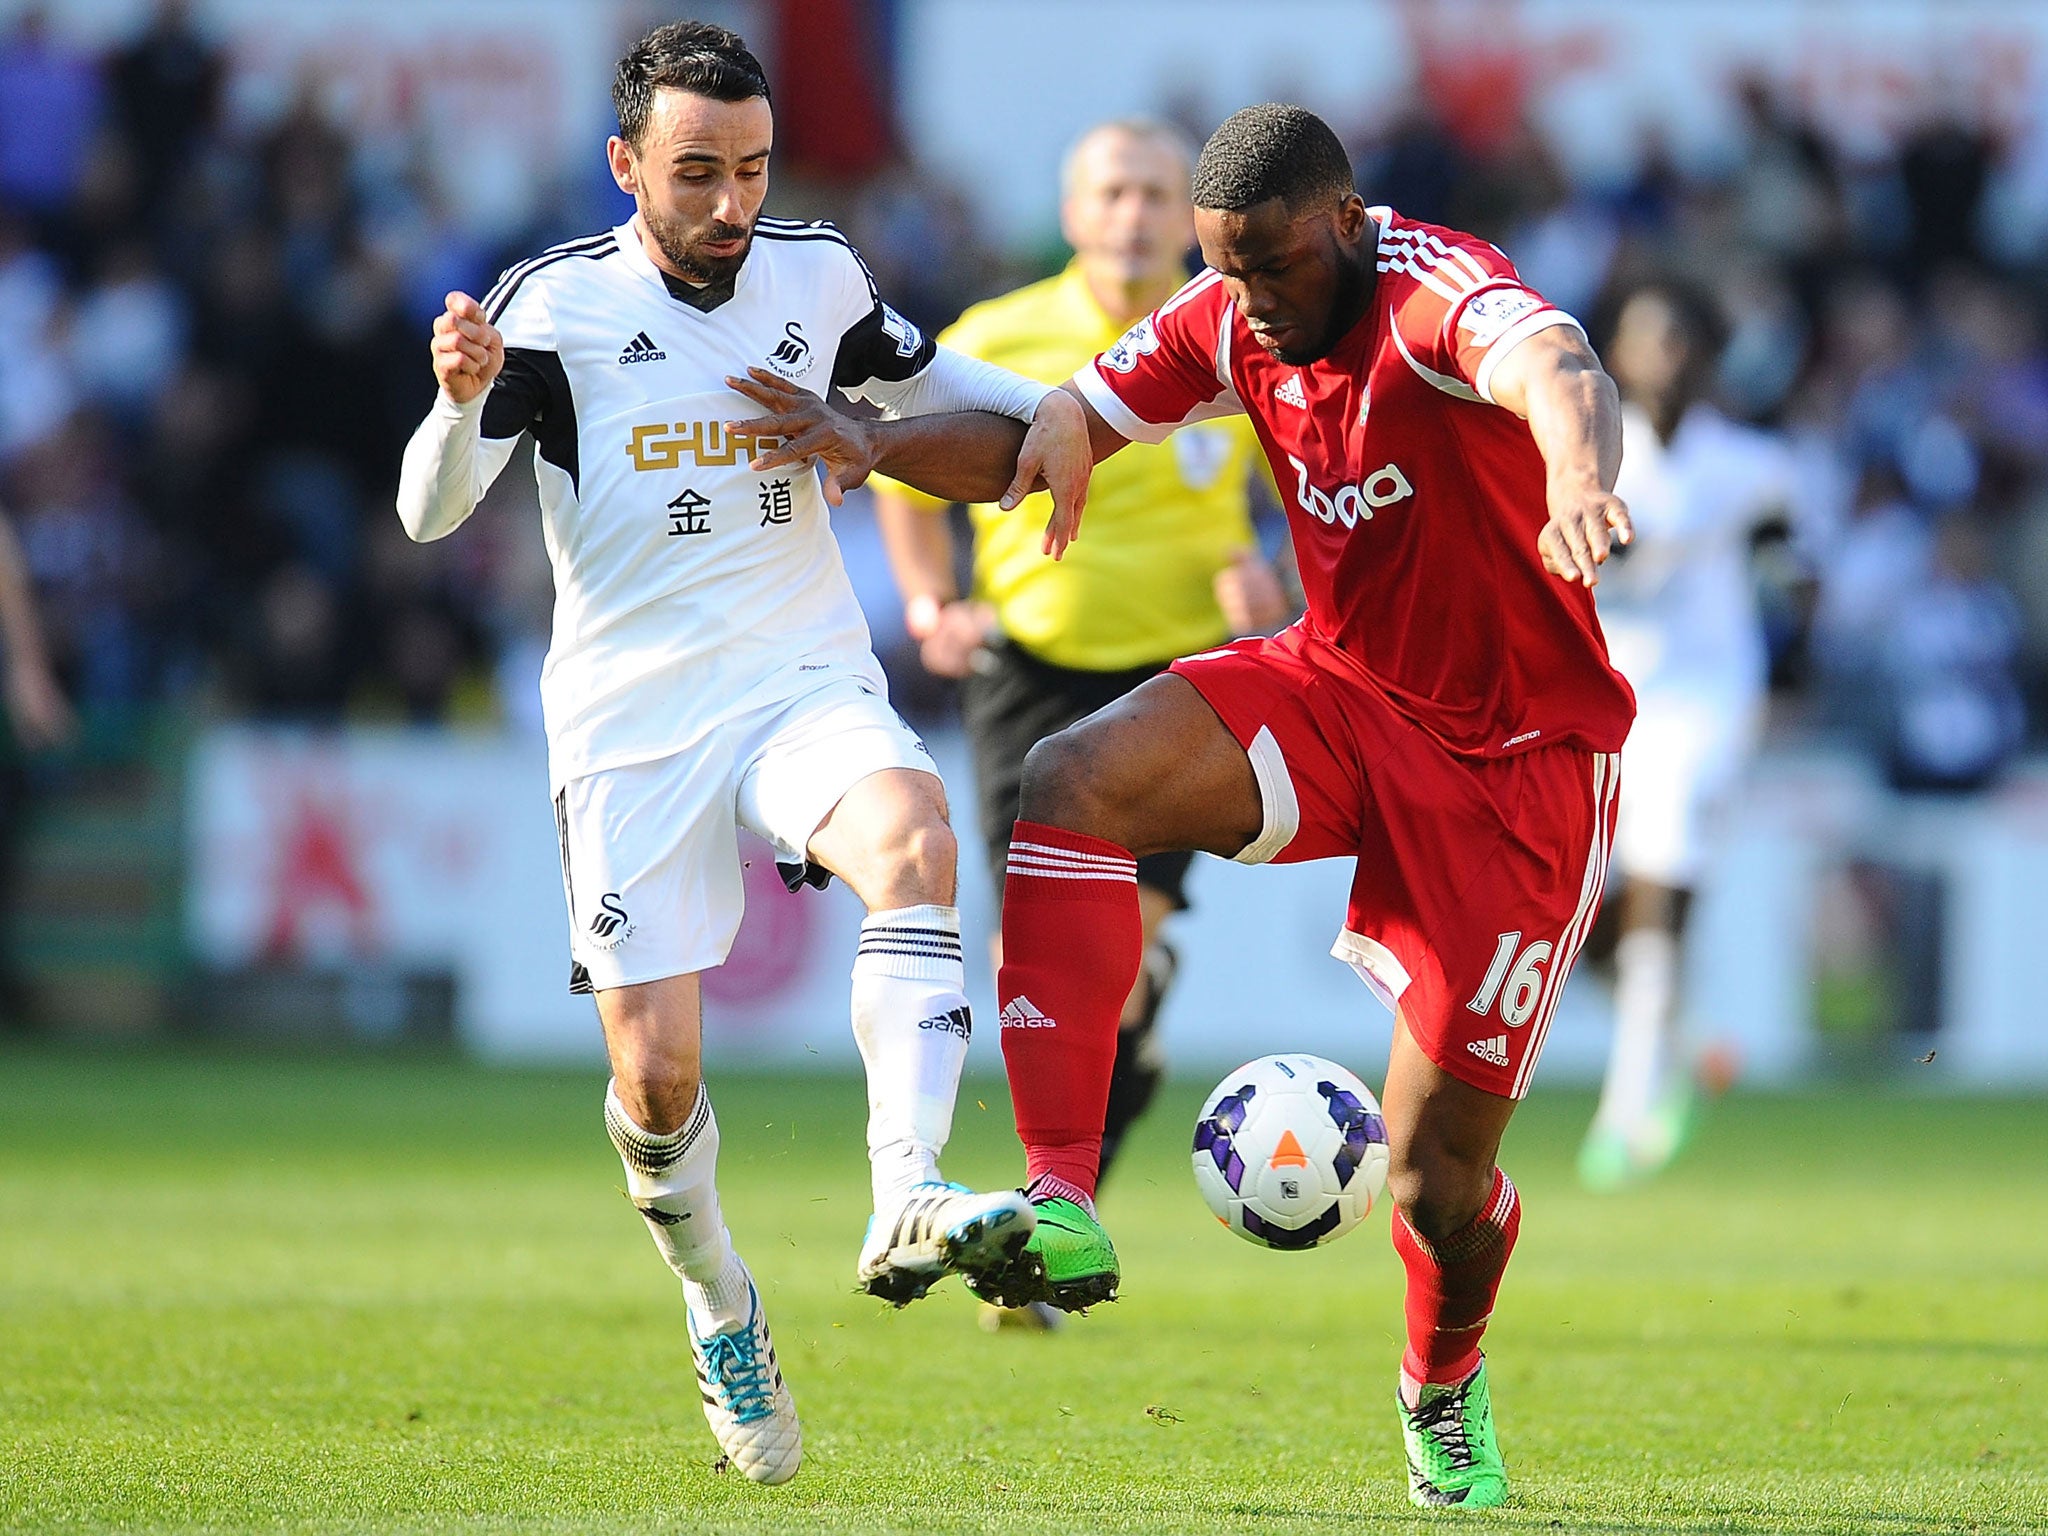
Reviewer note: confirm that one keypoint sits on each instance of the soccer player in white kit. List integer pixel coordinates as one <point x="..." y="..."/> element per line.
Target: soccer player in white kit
<point x="711" y="670"/>
<point x="1679" y="609"/>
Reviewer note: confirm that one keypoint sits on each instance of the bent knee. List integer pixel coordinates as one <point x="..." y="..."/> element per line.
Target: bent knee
<point x="924" y="854"/>
<point x="1070" y="781"/>
<point x="904" y="860"/>
<point x="658" y="1093"/>
<point x="1438" y="1194"/>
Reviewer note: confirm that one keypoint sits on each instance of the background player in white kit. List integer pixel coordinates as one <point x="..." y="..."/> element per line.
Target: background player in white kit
<point x="710" y="668"/>
<point x="1679" y="609"/>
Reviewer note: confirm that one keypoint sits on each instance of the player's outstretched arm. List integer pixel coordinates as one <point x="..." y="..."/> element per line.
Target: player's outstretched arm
<point x="958" y="456"/>
<point x="1555" y="383"/>
<point x="440" y="479"/>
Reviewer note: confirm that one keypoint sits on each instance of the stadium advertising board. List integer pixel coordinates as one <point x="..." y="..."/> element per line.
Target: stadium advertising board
<point x="435" y="852"/>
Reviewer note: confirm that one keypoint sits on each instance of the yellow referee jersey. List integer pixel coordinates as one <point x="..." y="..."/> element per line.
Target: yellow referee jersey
<point x="1162" y="520"/>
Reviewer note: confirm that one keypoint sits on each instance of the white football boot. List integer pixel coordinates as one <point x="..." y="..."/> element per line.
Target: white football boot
<point x="936" y="1230"/>
<point x="750" y="1409"/>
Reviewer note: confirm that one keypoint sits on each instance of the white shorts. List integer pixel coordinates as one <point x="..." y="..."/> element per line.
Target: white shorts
<point x="1685" y="755"/>
<point x="650" y="851"/>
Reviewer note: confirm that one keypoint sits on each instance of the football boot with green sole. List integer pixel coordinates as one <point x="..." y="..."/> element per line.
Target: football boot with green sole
<point x="1069" y="1263"/>
<point x="1453" y="1458"/>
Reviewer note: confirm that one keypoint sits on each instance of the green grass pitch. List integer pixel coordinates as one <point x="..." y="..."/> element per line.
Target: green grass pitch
<point x="342" y="1295"/>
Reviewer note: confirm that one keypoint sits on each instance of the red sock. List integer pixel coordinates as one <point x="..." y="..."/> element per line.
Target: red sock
<point x="1072" y="942"/>
<point x="1451" y="1285"/>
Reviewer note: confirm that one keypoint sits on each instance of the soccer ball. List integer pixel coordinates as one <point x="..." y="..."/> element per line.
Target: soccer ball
<point x="1290" y="1151"/>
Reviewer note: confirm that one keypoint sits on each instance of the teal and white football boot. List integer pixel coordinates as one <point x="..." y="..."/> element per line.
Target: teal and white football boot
<point x="746" y="1401"/>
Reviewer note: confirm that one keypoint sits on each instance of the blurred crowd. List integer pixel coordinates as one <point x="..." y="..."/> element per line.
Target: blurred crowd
<point x="212" y="349"/>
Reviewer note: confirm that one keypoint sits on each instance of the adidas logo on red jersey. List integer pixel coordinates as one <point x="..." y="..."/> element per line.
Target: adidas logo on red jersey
<point x="1290" y="393"/>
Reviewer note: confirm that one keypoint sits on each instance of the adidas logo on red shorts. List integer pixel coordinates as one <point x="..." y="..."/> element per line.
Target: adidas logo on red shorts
<point x="1494" y="1050"/>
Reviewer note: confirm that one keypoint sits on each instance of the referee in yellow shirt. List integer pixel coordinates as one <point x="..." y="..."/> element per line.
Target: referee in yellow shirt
<point x="1170" y="565"/>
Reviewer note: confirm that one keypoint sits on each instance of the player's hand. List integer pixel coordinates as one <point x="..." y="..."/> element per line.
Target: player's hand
<point x="1248" y="591"/>
<point x="809" y="429"/>
<point x="1055" y="457"/>
<point x="467" y="349"/>
<point x="1585" y="524"/>
<point x="949" y="635"/>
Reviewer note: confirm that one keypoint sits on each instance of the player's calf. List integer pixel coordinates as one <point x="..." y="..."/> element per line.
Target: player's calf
<point x="888" y="838"/>
<point x="671" y="1178"/>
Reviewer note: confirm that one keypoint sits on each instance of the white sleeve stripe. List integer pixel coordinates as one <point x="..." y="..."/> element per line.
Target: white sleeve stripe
<point x="1111" y="408"/>
<point x="1442" y="381"/>
<point x="1202" y="280"/>
<point x="1415" y="253"/>
<point x="1538" y="320"/>
<point x="516" y="273"/>
<point x="1479" y="273"/>
<point x="1428" y="279"/>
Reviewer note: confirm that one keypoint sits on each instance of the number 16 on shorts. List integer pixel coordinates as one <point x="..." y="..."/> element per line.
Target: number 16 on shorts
<point x="1514" y="979"/>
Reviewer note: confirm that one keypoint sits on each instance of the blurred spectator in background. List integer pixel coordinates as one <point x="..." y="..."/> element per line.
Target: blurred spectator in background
<point x="39" y="719"/>
<point x="1679" y="606"/>
<point x="37" y="710"/>
<point x="50" y="108"/>
<point x="166" y="88"/>
<point x="1952" y="707"/>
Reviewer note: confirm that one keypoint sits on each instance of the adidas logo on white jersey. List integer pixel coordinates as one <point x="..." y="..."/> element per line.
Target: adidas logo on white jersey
<point x="1022" y="1013"/>
<point x="641" y="349"/>
<point x="1494" y="1050"/>
<point x="1290" y="393"/>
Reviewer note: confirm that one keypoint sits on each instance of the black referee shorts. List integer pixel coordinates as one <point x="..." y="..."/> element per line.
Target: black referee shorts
<point x="1009" y="708"/>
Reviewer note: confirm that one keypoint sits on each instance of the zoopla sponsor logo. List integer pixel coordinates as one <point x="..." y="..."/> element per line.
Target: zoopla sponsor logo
<point x="1350" y="504"/>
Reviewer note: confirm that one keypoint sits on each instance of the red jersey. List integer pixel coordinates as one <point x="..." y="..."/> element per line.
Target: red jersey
<point x="1414" y="500"/>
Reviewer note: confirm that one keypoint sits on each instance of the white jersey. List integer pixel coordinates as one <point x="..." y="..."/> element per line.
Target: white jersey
<point x="687" y="587"/>
<point x="1678" y="606"/>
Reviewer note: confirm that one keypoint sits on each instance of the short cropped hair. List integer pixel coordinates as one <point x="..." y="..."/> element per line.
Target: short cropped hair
<point x="694" y="56"/>
<point x="1269" y="151"/>
<point x="1698" y="313"/>
<point x="1151" y="129"/>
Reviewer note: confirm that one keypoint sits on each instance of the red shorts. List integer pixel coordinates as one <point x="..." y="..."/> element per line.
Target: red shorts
<point x="1478" y="879"/>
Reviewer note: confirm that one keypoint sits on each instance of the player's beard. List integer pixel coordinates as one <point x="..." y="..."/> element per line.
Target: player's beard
<point x="1348" y="300"/>
<point x="683" y="247"/>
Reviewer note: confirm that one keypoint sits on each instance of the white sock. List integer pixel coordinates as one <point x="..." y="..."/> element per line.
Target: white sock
<point x="1645" y="1024"/>
<point x="673" y="1183"/>
<point x="911" y="1022"/>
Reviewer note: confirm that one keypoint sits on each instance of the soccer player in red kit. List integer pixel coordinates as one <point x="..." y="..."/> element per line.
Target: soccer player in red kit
<point x="1445" y="714"/>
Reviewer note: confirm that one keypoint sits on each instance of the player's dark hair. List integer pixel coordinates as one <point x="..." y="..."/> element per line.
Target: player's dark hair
<point x="1697" y="311"/>
<point x="1268" y="151"/>
<point x="694" y="56"/>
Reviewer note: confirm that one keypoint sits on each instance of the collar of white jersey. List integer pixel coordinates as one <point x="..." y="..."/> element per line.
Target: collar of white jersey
<point x="635" y="252"/>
